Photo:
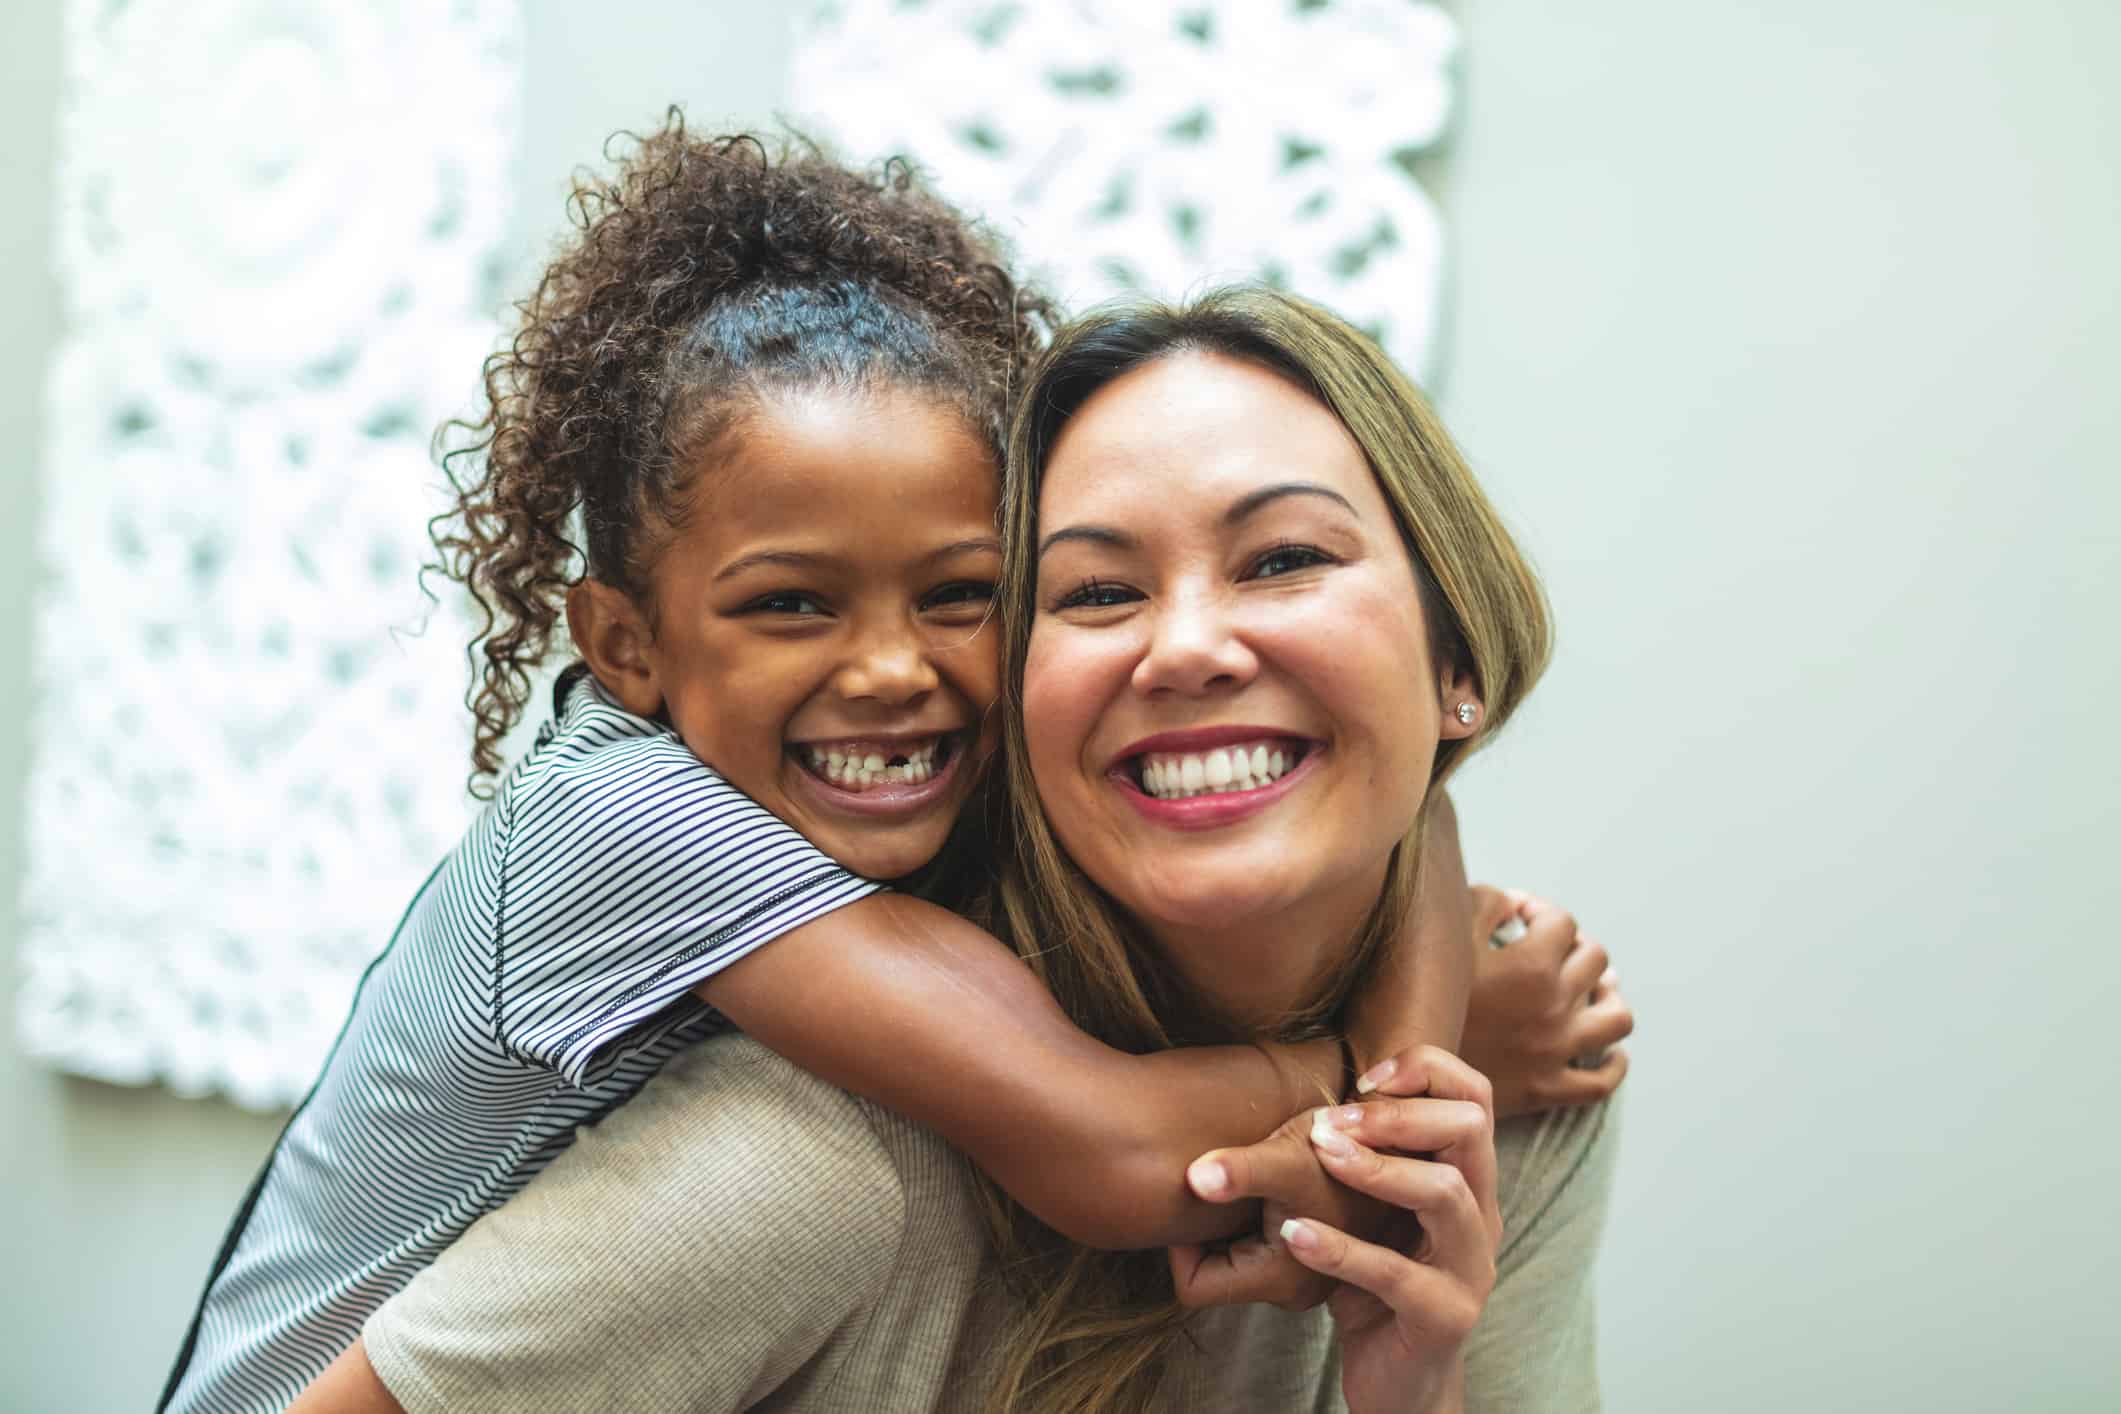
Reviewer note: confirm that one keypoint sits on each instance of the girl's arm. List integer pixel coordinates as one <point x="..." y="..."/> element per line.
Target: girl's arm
<point x="1420" y="992"/>
<point x="348" y="1386"/>
<point x="908" y="1005"/>
<point x="1547" y="1015"/>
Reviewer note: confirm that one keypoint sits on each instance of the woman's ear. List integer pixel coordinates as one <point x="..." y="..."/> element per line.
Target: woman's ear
<point x="1462" y="707"/>
<point x="612" y="635"/>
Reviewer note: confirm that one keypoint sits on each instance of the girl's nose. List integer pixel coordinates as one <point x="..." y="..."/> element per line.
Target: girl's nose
<point x="1193" y="650"/>
<point x="890" y="668"/>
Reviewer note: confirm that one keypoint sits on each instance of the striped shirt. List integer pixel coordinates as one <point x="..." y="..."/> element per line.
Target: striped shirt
<point x="541" y="976"/>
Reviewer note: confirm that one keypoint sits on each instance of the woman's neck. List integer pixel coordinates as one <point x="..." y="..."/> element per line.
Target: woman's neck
<point x="1255" y="974"/>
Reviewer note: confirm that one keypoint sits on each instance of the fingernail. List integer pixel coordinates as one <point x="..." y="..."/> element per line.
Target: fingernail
<point x="1209" y="1178"/>
<point x="1298" y="1235"/>
<point x="1326" y="1137"/>
<point x="1375" y="1076"/>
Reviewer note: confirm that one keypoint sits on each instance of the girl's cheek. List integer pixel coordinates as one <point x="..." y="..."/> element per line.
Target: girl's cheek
<point x="976" y="667"/>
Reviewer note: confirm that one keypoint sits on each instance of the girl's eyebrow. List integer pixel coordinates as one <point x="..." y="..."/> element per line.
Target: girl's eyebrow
<point x="804" y="560"/>
<point x="794" y="559"/>
<point x="982" y="545"/>
<point x="1094" y="534"/>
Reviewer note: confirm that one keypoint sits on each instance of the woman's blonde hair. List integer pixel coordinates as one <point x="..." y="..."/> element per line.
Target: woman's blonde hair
<point x="1093" y="1329"/>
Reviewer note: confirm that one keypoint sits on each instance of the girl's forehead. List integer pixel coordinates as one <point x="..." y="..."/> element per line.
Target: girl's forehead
<point x="810" y="450"/>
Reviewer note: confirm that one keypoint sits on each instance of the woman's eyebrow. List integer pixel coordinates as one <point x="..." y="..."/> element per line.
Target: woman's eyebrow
<point x="1094" y="534"/>
<point x="1253" y="501"/>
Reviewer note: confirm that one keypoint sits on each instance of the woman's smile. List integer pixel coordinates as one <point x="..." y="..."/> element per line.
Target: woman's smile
<point x="1207" y="777"/>
<point x="1229" y="703"/>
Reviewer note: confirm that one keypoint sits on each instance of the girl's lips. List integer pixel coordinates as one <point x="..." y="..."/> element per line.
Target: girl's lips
<point x="1208" y="812"/>
<point x="882" y="799"/>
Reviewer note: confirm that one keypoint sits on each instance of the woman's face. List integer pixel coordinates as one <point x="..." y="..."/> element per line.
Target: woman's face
<point x="1228" y="698"/>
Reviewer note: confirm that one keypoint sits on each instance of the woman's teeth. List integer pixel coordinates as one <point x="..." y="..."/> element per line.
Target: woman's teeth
<point x="1217" y="772"/>
<point x="858" y="767"/>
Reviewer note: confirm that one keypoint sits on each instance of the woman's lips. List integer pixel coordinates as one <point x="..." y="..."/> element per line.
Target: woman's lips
<point x="1208" y="806"/>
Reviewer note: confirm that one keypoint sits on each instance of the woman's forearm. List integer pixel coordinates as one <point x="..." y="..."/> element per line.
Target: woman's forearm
<point x="910" y="1006"/>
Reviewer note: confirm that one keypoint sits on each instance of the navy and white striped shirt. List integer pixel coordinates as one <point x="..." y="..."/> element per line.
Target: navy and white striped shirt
<point x="541" y="976"/>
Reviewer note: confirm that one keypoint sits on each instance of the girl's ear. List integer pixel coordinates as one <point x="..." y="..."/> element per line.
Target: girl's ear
<point x="1462" y="707"/>
<point x="611" y="633"/>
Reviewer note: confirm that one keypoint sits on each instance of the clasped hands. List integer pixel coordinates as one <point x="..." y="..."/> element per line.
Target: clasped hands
<point x="1386" y="1208"/>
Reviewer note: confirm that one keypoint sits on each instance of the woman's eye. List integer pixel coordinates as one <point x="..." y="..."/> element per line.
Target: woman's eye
<point x="1287" y="559"/>
<point x="972" y="592"/>
<point x="1096" y="594"/>
<point x="785" y="602"/>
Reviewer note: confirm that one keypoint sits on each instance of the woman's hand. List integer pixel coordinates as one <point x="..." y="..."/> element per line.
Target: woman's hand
<point x="1404" y="1310"/>
<point x="1405" y="1294"/>
<point x="1547" y="1016"/>
<point x="1284" y="1170"/>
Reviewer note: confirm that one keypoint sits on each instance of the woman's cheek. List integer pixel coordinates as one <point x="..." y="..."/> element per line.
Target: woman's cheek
<point x="1066" y="684"/>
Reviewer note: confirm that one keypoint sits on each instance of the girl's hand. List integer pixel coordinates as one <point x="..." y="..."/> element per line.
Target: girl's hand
<point x="1547" y="1016"/>
<point x="1404" y="1308"/>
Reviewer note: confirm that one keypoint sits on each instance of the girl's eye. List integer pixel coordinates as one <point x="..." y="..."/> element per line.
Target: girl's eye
<point x="1287" y="559"/>
<point x="785" y="602"/>
<point x="972" y="592"/>
<point x="1096" y="594"/>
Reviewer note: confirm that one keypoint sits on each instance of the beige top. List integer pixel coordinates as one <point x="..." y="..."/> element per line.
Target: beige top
<point x="742" y="1235"/>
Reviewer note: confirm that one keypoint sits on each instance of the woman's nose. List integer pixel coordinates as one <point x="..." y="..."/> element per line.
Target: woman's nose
<point x="1194" y="649"/>
<point x="889" y="667"/>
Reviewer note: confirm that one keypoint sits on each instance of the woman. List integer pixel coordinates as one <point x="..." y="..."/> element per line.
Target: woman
<point x="1233" y="524"/>
<point x="1234" y="532"/>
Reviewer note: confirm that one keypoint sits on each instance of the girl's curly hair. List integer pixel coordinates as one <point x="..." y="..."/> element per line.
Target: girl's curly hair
<point x="703" y="273"/>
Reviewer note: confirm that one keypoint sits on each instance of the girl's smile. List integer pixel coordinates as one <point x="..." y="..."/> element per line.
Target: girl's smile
<point x="821" y="624"/>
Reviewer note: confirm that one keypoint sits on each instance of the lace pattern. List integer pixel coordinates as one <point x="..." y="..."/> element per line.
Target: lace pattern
<point x="247" y="744"/>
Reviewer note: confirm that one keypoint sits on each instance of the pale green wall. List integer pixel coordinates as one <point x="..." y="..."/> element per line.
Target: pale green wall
<point x="1788" y="334"/>
<point x="1791" y="333"/>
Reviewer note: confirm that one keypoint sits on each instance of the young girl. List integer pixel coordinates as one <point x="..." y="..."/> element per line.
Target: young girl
<point x="770" y="392"/>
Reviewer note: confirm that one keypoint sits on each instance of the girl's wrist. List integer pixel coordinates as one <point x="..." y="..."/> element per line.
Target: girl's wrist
<point x="1312" y="1073"/>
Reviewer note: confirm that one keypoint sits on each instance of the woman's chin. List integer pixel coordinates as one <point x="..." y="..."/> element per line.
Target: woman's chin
<point x="1207" y="904"/>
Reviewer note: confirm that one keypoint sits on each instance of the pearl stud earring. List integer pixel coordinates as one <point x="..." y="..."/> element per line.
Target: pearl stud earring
<point x="1467" y="712"/>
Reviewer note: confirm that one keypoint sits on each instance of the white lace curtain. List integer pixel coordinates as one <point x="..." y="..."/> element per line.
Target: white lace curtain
<point x="274" y="227"/>
<point x="1160" y="145"/>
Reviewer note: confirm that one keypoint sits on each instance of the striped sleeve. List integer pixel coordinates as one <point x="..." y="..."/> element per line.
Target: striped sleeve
<point x="629" y="877"/>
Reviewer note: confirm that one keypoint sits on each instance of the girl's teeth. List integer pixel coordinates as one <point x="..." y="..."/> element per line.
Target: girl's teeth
<point x="858" y="769"/>
<point x="1224" y="769"/>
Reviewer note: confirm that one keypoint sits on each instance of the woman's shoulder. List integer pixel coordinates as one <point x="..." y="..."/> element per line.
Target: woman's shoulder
<point x="730" y="1112"/>
<point x="730" y="1128"/>
<point x="758" y="1212"/>
<point x="1536" y="1348"/>
<point x="1553" y="1168"/>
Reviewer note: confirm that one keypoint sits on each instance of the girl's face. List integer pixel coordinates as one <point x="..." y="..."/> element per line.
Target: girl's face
<point x="822" y="635"/>
<point x="1228" y="699"/>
